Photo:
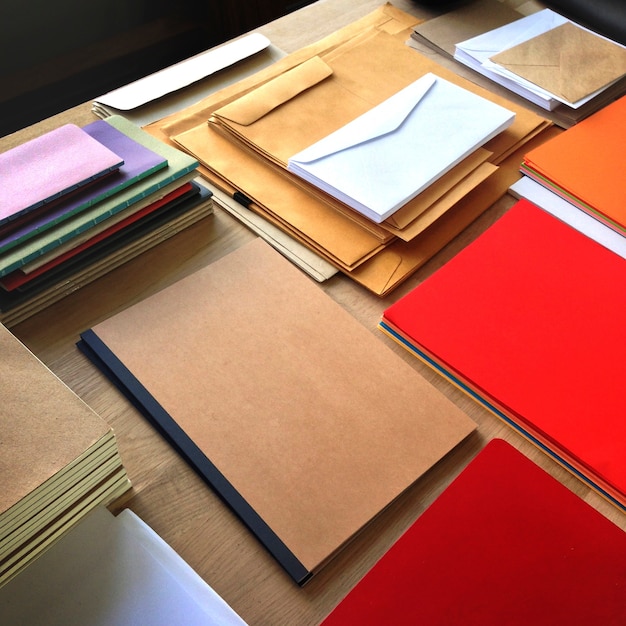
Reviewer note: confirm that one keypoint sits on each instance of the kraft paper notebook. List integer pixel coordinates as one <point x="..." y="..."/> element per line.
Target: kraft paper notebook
<point x="528" y="319"/>
<point x="58" y="459"/>
<point x="586" y="165"/>
<point x="49" y="166"/>
<point x="301" y="419"/>
<point x="505" y="543"/>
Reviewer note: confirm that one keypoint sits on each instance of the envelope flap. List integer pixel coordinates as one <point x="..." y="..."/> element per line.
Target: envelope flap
<point x="381" y="120"/>
<point x="541" y="50"/>
<point x="255" y="104"/>
<point x="568" y="61"/>
<point x="512" y="34"/>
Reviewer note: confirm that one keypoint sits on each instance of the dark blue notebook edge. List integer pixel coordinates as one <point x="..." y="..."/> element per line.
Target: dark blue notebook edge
<point x="97" y="351"/>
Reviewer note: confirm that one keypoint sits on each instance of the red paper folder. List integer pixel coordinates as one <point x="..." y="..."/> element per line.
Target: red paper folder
<point x="505" y="544"/>
<point x="529" y="319"/>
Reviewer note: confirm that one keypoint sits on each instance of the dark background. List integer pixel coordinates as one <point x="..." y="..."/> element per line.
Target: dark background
<point x="60" y="53"/>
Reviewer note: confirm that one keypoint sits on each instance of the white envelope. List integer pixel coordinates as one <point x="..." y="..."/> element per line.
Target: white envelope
<point x="184" y="73"/>
<point x="476" y="52"/>
<point x="183" y="84"/>
<point x="387" y="156"/>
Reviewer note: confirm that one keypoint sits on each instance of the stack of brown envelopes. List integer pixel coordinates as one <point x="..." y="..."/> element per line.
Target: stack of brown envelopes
<point x="244" y="135"/>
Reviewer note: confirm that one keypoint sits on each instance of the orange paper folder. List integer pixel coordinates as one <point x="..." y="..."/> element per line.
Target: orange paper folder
<point x="586" y="165"/>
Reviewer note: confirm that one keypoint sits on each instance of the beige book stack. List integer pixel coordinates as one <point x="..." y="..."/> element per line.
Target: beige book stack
<point x="58" y="458"/>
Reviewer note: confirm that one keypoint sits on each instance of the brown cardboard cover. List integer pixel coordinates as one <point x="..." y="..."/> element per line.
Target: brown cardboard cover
<point x="314" y="420"/>
<point x="44" y="426"/>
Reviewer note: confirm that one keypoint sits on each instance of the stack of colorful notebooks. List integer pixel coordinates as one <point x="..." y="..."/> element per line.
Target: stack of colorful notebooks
<point x="59" y="459"/>
<point x="374" y="166"/>
<point x="78" y="202"/>
<point x="528" y="320"/>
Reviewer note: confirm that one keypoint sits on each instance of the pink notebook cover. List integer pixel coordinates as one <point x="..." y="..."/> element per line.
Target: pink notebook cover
<point x="50" y="166"/>
<point x="531" y="317"/>
<point x="505" y="543"/>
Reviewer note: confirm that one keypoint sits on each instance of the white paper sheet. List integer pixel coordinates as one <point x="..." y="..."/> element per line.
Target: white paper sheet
<point x="183" y="84"/>
<point x="570" y="214"/>
<point x="111" y="571"/>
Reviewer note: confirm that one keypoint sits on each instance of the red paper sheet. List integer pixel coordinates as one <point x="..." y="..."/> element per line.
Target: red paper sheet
<point x="532" y="315"/>
<point x="504" y="544"/>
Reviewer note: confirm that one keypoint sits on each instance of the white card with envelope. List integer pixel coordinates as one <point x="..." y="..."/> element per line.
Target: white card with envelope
<point x="379" y="161"/>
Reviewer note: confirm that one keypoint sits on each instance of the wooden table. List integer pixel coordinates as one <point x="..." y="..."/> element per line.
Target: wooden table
<point x="166" y="493"/>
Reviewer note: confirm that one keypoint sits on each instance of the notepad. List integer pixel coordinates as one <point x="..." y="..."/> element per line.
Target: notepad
<point x="58" y="458"/>
<point x="505" y="543"/>
<point x="528" y="320"/>
<point x="301" y="419"/>
<point x="50" y="166"/>
<point x="180" y="168"/>
<point x="139" y="162"/>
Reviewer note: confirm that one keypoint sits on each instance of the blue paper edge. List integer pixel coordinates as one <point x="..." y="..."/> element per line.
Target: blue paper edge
<point x="493" y="409"/>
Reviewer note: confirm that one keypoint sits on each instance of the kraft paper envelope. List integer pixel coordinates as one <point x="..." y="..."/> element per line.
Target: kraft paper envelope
<point x="328" y="232"/>
<point x="435" y="192"/>
<point x="292" y="111"/>
<point x="404" y="217"/>
<point x="380" y="37"/>
<point x="384" y="158"/>
<point x="268" y="120"/>
<point x="446" y="202"/>
<point x="476" y="52"/>
<point x="395" y="263"/>
<point x="568" y="61"/>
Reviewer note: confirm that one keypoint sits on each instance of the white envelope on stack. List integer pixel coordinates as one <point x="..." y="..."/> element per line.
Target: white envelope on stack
<point x="387" y="156"/>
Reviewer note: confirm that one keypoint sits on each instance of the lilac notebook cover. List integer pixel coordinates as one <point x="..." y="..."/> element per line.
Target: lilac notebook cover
<point x="139" y="162"/>
<point x="50" y="166"/>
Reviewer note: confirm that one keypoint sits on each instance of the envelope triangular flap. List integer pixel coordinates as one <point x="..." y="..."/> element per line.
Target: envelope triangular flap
<point x="512" y="34"/>
<point x="258" y="103"/>
<point x="381" y="171"/>
<point x="379" y="121"/>
<point x="569" y="61"/>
